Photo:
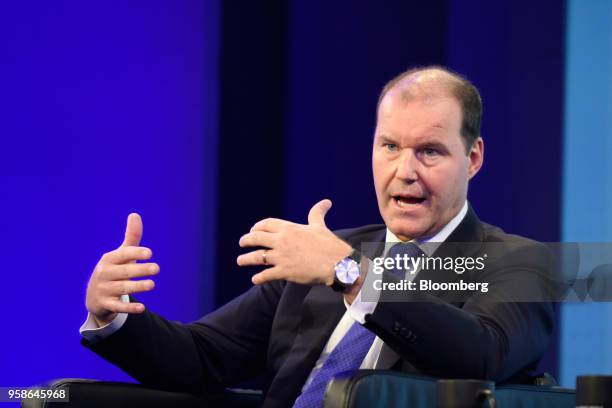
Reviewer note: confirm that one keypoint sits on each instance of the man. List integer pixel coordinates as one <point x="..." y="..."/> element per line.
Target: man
<point x="292" y="327"/>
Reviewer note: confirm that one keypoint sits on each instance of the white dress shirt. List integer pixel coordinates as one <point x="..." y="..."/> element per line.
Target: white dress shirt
<point x="379" y="355"/>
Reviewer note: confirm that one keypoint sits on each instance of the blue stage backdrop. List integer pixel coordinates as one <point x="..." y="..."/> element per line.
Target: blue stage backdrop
<point x="107" y="108"/>
<point x="587" y="177"/>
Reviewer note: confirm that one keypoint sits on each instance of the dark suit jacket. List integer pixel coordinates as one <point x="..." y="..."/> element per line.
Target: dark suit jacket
<point x="279" y="329"/>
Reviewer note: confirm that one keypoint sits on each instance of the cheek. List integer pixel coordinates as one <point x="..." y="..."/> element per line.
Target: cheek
<point x="380" y="170"/>
<point x="445" y="184"/>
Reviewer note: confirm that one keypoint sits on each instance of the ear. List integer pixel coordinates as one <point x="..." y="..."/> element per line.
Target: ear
<point x="475" y="157"/>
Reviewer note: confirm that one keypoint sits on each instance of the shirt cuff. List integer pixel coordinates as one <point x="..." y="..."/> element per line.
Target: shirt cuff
<point x="91" y="332"/>
<point x="359" y="309"/>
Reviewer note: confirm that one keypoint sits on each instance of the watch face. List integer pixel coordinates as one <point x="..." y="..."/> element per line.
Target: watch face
<point x="347" y="271"/>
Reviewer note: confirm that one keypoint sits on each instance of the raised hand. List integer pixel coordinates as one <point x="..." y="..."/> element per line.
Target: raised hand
<point x="297" y="253"/>
<point x="112" y="276"/>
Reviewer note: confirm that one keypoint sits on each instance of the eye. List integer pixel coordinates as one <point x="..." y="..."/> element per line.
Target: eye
<point x="390" y="147"/>
<point x="430" y="152"/>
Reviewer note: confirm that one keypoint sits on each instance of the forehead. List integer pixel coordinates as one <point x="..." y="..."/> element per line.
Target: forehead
<point x="400" y="114"/>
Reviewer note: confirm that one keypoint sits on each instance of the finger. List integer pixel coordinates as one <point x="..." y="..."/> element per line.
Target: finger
<point x="317" y="213"/>
<point x="129" y="271"/>
<point x="133" y="230"/>
<point x="267" y="275"/>
<point x="127" y="287"/>
<point x="257" y="238"/>
<point x="117" y="306"/>
<point x="256" y="258"/>
<point x="127" y="254"/>
<point x="270" y="225"/>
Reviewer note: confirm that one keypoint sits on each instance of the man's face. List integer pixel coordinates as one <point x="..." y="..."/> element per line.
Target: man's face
<point x="420" y="166"/>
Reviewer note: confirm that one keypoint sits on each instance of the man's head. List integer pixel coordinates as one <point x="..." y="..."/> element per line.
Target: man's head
<point x="427" y="146"/>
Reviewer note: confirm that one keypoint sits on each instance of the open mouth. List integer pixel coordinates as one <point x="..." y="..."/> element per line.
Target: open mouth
<point x="408" y="200"/>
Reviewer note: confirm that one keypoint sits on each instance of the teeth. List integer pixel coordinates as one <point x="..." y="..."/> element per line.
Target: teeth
<point x="399" y="201"/>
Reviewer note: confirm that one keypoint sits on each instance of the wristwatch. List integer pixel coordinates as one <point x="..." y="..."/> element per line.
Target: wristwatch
<point x="346" y="271"/>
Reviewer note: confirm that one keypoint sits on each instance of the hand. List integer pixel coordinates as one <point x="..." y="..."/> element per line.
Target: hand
<point x="112" y="276"/>
<point x="297" y="253"/>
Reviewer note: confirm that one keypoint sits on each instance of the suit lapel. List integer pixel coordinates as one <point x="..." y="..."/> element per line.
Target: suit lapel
<point x="466" y="240"/>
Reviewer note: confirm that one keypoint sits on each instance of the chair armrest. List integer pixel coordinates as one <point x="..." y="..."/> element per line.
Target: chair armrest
<point x="383" y="388"/>
<point x="93" y="394"/>
<point x="528" y="396"/>
<point x="380" y="388"/>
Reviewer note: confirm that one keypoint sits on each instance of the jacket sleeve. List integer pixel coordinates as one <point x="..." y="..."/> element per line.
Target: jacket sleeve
<point x="224" y="347"/>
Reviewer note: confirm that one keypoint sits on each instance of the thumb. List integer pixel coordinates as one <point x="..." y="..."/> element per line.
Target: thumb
<point x="133" y="230"/>
<point x="317" y="213"/>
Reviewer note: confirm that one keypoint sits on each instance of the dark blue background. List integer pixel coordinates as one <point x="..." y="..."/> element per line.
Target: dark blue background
<point x="206" y="117"/>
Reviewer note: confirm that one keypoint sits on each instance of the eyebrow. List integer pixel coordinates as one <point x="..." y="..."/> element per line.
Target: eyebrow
<point x="434" y="144"/>
<point x="425" y="141"/>
<point x="385" y="139"/>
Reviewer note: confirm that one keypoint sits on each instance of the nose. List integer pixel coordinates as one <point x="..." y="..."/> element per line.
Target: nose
<point x="407" y="169"/>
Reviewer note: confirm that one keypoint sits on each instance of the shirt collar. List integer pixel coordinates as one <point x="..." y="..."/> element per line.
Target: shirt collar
<point x="439" y="237"/>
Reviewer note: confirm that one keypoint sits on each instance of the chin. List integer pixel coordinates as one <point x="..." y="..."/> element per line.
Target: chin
<point x="407" y="232"/>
